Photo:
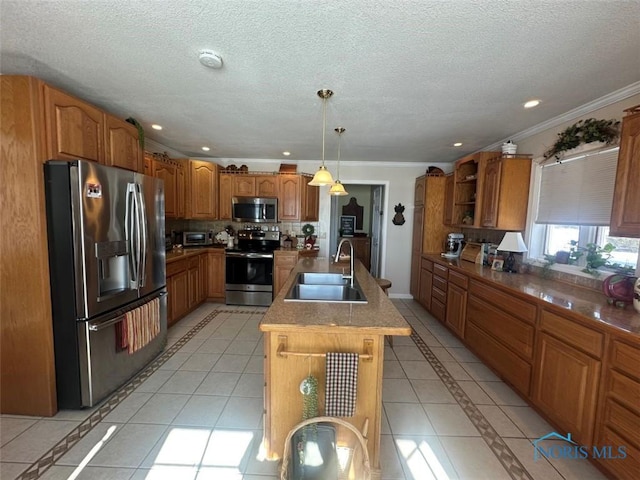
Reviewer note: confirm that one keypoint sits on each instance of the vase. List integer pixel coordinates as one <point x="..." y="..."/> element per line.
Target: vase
<point x="636" y="295"/>
<point x="619" y="287"/>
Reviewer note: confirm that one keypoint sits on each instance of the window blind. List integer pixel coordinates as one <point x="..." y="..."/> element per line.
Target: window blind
<point x="579" y="190"/>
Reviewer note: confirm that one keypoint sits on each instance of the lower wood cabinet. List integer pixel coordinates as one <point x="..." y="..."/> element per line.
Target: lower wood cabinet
<point x="178" y="296"/>
<point x="216" y="275"/>
<point x="565" y="387"/>
<point x="283" y="263"/>
<point x="186" y="286"/>
<point x="456" y="309"/>
<point x="426" y="285"/>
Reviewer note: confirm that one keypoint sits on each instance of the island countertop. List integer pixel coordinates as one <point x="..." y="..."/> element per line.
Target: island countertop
<point x="378" y="316"/>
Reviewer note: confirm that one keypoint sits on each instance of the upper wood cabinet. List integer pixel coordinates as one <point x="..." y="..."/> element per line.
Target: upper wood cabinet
<point x="448" y="199"/>
<point x="310" y="201"/>
<point x="171" y="171"/>
<point x="289" y="201"/>
<point x="418" y="193"/>
<point x="122" y="148"/>
<point x="625" y="213"/>
<point x="244" y="186"/>
<point x="75" y="129"/>
<point x="202" y="198"/>
<point x="225" y="193"/>
<point x="267" y="185"/>
<point x="505" y="194"/>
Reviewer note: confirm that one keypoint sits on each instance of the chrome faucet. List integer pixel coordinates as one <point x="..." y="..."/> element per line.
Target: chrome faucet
<point x="351" y="275"/>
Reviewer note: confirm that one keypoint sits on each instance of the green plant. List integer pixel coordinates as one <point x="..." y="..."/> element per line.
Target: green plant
<point x="595" y="256"/>
<point x="584" y="131"/>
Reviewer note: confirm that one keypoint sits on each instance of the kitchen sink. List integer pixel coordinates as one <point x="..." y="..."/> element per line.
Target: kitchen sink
<point x="302" y="292"/>
<point x="321" y="278"/>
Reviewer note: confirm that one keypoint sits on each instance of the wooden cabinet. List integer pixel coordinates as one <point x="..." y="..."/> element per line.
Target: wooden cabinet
<point x="171" y="171"/>
<point x="74" y="129"/>
<point x="178" y="296"/>
<point x="439" y="292"/>
<point x="147" y="162"/>
<point x="289" y="202"/>
<point x="426" y="283"/>
<point x="619" y="414"/>
<point x="244" y="186"/>
<point x="505" y="194"/>
<point x="283" y="263"/>
<point x="216" y="274"/>
<point x="267" y="186"/>
<point x="447" y="217"/>
<point x="457" y="302"/>
<point x="429" y="232"/>
<point x="194" y="282"/>
<point x="204" y="276"/>
<point x="310" y="200"/>
<point x="565" y="387"/>
<point x="122" y="148"/>
<point x="361" y="249"/>
<point x="225" y="193"/>
<point x="625" y="213"/>
<point x="186" y="285"/>
<point x="202" y="198"/>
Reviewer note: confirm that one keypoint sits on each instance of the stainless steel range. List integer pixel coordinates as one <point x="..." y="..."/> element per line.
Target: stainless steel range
<point x="249" y="268"/>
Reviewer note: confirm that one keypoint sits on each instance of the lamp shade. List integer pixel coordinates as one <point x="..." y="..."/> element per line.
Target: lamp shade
<point x="322" y="177"/>
<point x="337" y="189"/>
<point x="512" y="242"/>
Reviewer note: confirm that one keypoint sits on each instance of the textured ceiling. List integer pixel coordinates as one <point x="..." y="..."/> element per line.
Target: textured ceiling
<point x="410" y="77"/>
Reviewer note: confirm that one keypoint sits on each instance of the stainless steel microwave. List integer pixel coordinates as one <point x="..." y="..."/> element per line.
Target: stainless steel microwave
<point x="191" y="239"/>
<point x="254" y="209"/>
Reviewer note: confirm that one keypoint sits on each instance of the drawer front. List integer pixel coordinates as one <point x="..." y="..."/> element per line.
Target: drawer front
<point x="439" y="282"/>
<point x="625" y="358"/>
<point x="511" y="331"/>
<point x="583" y="338"/>
<point x="459" y="279"/>
<point x="176" y="267"/>
<point x="439" y="295"/>
<point x="426" y="264"/>
<point x="507" y="303"/>
<point x="624" y="389"/>
<point x="621" y="468"/>
<point x="438" y="309"/>
<point x="194" y="262"/>
<point x="622" y="421"/>
<point x="508" y="364"/>
<point x="440" y="270"/>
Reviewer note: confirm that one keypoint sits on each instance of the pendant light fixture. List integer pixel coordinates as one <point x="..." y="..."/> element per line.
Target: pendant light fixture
<point x="337" y="188"/>
<point x="323" y="176"/>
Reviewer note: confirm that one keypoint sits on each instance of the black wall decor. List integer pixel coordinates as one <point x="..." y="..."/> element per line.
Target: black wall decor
<point x="398" y="218"/>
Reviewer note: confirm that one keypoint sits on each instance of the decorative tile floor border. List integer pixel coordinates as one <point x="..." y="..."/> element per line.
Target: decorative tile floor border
<point x="501" y="450"/>
<point x="37" y="469"/>
<point x="504" y="454"/>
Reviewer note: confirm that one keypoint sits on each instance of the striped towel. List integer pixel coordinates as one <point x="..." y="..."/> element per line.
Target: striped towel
<point x="139" y="327"/>
<point x="342" y="384"/>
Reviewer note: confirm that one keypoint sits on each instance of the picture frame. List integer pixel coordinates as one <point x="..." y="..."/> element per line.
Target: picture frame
<point x="347" y="225"/>
<point x="497" y="264"/>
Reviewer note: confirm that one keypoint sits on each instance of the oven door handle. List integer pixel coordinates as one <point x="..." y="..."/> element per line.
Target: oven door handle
<point x="249" y="255"/>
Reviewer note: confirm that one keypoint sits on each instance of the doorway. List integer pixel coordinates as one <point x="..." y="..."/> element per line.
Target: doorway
<point x="371" y="231"/>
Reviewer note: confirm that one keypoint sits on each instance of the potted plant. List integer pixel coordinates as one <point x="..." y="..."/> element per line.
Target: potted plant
<point x="584" y="131"/>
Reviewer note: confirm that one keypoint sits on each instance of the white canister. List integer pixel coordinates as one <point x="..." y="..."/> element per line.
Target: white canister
<point x="509" y="148"/>
<point x="230" y="242"/>
<point x="636" y="295"/>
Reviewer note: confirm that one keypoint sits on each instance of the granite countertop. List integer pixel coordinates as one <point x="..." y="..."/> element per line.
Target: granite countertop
<point x="178" y="253"/>
<point x="377" y="317"/>
<point x="585" y="303"/>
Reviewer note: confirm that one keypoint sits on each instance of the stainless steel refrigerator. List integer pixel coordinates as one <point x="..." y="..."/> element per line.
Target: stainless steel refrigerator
<point x="107" y="258"/>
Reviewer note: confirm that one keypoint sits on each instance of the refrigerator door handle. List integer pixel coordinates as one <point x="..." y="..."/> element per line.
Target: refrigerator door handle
<point x="130" y="232"/>
<point x="144" y="239"/>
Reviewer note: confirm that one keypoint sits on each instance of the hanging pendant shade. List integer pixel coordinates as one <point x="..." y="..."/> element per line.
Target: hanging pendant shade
<point x="323" y="176"/>
<point x="337" y="189"/>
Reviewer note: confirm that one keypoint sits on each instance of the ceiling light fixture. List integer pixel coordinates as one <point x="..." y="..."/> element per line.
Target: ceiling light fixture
<point x="337" y="188"/>
<point x="532" y="103"/>
<point x="210" y="59"/>
<point x="323" y="176"/>
<point x="457" y="144"/>
<point x="206" y="149"/>
<point x="156" y="126"/>
<point x="286" y="154"/>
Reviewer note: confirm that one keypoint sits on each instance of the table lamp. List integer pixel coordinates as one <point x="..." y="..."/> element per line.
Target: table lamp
<point x="512" y="242"/>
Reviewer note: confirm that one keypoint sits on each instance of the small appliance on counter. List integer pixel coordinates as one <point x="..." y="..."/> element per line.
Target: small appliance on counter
<point x="197" y="239"/>
<point x="453" y="245"/>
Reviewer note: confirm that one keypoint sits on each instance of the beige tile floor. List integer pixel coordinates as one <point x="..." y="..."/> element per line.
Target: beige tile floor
<point x="199" y="415"/>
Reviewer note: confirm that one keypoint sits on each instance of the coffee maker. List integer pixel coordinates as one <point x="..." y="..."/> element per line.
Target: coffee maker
<point x="454" y="245"/>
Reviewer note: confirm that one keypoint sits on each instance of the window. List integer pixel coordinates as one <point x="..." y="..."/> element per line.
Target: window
<point x="572" y="206"/>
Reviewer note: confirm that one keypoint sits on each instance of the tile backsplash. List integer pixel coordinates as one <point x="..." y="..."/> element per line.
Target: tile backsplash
<point x="181" y="225"/>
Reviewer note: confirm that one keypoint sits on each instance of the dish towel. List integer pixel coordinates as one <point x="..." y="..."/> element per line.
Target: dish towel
<point x="342" y="384"/>
<point x="139" y="327"/>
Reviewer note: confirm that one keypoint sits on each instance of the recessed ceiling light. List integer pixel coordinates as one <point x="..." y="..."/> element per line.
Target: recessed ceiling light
<point x="156" y="126"/>
<point x="206" y="149"/>
<point x="532" y="103"/>
<point x="286" y="154"/>
<point x="457" y="144"/>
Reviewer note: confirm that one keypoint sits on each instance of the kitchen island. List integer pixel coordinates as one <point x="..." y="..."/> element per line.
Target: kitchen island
<point x="308" y="328"/>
